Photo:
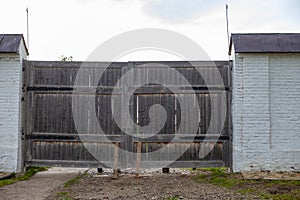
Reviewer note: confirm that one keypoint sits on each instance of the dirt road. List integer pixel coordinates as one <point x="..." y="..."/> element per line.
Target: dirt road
<point x="40" y="186"/>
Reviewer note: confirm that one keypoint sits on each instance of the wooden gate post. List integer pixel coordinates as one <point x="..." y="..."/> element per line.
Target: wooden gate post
<point x="126" y="139"/>
<point x="138" y="158"/>
<point x="116" y="158"/>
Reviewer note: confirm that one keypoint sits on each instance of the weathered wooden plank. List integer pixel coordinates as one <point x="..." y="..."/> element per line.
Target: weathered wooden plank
<point x="24" y="110"/>
<point x="138" y="158"/>
<point x="68" y="163"/>
<point x="116" y="159"/>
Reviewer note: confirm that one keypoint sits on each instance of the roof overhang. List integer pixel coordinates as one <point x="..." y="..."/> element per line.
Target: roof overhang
<point x="265" y="43"/>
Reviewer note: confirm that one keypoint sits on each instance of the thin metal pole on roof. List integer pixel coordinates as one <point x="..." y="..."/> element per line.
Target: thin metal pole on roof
<point x="27" y="30"/>
<point x="227" y="24"/>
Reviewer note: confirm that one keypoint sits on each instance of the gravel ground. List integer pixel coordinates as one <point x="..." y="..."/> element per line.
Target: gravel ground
<point x="152" y="184"/>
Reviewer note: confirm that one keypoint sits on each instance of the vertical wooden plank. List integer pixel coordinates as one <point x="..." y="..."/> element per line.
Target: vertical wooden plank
<point x="50" y="103"/>
<point x="208" y="103"/>
<point x="143" y="120"/>
<point x="29" y="127"/>
<point x="116" y="158"/>
<point x="93" y="121"/>
<point x="168" y="102"/>
<point x="226" y="153"/>
<point x="126" y="139"/>
<point x="105" y="111"/>
<point x="63" y="114"/>
<point x="56" y="111"/>
<point x="81" y="152"/>
<point x="59" y="113"/>
<point x="24" y="110"/>
<point x="184" y="120"/>
<point x="108" y="114"/>
<point x="67" y="115"/>
<point x="138" y="158"/>
<point x="225" y="75"/>
<point x="36" y="114"/>
<point x="47" y="113"/>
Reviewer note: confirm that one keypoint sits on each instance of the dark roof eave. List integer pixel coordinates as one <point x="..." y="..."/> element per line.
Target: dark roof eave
<point x="10" y="43"/>
<point x="267" y="52"/>
<point x="265" y="43"/>
<point x="26" y="49"/>
<point x="230" y="46"/>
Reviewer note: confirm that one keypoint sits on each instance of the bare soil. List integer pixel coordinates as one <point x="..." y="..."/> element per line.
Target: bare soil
<point x="148" y="186"/>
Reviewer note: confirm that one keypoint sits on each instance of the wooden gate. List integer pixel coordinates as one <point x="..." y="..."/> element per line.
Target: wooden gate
<point x="52" y="139"/>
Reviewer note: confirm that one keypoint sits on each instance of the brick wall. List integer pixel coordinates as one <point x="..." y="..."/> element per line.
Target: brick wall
<point x="266" y="112"/>
<point x="10" y="90"/>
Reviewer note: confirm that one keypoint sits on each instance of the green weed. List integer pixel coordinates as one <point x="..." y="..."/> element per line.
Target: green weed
<point x="30" y="171"/>
<point x="172" y="198"/>
<point x="72" y="181"/>
<point x="64" y="196"/>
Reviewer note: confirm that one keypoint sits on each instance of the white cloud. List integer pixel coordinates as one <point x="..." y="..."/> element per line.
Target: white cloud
<point x="180" y="11"/>
<point x="262" y="16"/>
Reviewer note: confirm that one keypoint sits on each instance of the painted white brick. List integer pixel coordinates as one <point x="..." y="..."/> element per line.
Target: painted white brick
<point x="266" y="112"/>
<point x="10" y="112"/>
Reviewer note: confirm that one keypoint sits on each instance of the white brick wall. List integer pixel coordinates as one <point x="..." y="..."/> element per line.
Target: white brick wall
<point x="10" y="114"/>
<point x="266" y="112"/>
<point x="285" y="112"/>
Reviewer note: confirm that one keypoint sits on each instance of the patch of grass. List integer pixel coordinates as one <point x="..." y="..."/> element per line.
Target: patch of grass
<point x="225" y="182"/>
<point x="245" y="191"/>
<point x="30" y="171"/>
<point x="217" y="176"/>
<point x="214" y="170"/>
<point x="72" y="181"/>
<point x="7" y="182"/>
<point x="266" y="189"/>
<point x="294" y="195"/>
<point x="64" y="196"/>
<point x="282" y="182"/>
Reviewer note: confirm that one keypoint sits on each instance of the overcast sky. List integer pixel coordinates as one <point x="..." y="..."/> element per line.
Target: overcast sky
<point x="77" y="27"/>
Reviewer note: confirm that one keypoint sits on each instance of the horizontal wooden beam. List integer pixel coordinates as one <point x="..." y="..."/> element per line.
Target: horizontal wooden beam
<point x="95" y="138"/>
<point x="167" y="89"/>
<point x="66" y="163"/>
<point x="75" y="64"/>
<point x="144" y="164"/>
<point x="139" y="64"/>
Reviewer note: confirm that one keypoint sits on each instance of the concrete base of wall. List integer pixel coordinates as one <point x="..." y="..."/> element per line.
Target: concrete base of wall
<point x="272" y="175"/>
